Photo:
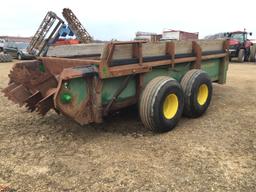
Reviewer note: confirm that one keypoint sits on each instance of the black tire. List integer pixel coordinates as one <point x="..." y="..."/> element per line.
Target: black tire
<point x="161" y="104"/>
<point x="253" y="53"/>
<point x="197" y="88"/>
<point x="247" y="54"/>
<point x="241" y="55"/>
<point x="230" y="58"/>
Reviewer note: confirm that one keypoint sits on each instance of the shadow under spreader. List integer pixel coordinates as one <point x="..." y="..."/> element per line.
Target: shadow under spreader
<point x="125" y="122"/>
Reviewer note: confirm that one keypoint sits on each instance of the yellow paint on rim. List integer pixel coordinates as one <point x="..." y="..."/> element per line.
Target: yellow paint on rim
<point x="170" y="107"/>
<point x="202" y="94"/>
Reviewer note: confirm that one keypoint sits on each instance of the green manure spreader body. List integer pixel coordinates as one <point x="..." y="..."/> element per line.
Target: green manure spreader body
<point x="165" y="79"/>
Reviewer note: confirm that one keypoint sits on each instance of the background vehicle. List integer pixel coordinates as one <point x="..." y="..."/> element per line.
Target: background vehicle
<point x="239" y="45"/>
<point x="17" y="50"/>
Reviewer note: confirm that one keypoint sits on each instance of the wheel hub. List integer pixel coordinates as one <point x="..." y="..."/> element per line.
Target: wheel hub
<point x="202" y="95"/>
<point x="170" y="106"/>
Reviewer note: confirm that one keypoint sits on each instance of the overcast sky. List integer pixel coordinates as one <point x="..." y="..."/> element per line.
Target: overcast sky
<point x="120" y="19"/>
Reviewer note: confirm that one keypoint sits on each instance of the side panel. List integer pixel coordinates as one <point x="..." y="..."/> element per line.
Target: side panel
<point x="110" y="87"/>
<point x="73" y="99"/>
<point x="212" y="67"/>
<point x="78" y="88"/>
<point x="177" y="72"/>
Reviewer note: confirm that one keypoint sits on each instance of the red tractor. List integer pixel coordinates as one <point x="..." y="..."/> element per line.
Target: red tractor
<point x="239" y="45"/>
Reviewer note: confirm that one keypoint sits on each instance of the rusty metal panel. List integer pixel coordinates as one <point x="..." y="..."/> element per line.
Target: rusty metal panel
<point x="19" y="95"/>
<point x="56" y="65"/>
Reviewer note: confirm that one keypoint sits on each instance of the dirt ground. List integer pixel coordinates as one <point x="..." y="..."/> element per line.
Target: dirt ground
<point x="216" y="152"/>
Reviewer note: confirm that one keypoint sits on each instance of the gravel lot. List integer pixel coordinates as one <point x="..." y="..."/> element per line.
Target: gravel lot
<point x="216" y="152"/>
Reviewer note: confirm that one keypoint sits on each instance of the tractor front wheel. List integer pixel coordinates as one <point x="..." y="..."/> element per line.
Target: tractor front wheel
<point x="241" y="56"/>
<point x="253" y="53"/>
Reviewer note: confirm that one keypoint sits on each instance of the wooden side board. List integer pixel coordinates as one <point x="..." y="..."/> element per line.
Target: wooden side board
<point x="125" y="51"/>
<point x="183" y="47"/>
<point x="76" y="50"/>
<point x="210" y="45"/>
<point x="140" y="57"/>
<point x="151" y="49"/>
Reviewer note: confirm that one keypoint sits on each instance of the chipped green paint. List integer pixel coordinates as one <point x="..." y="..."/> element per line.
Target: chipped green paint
<point x="77" y="88"/>
<point x="41" y="67"/>
<point x="110" y="87"/>
<point x="212" y="68"/>
<point x="177" y="72"/>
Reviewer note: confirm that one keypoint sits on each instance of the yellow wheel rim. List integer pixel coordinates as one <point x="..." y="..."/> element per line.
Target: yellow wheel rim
<point x="170" y="106"/>
<point x="202" y="94"/>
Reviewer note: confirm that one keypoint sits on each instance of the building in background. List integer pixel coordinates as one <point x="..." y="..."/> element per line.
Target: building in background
<point x="169" y="34"/>
<point x="16" y="39"/>
<point x="147" y="36"/>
